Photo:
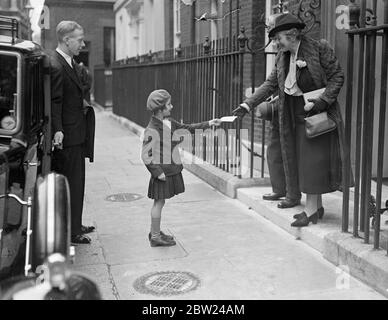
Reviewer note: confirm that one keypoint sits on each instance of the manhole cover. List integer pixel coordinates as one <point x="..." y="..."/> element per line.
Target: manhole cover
<point x="166" y="283"/>
<point x="123" y="197"/>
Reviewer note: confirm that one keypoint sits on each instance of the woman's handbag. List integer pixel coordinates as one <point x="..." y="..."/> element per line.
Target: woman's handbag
<point x="319" y="124"/>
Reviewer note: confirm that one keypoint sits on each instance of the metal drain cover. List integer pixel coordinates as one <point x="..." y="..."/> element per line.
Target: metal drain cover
<point x="166" y="283"/>
<point x="123" y="197"/>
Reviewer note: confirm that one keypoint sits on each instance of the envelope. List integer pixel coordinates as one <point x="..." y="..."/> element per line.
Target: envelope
<point x="228" y="119"/>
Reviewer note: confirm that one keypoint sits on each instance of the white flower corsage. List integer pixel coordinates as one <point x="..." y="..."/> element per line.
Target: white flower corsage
<point x="301" y="64"/>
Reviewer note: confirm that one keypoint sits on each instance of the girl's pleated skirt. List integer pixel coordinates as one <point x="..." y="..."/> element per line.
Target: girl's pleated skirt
<point x="173" y="185"/>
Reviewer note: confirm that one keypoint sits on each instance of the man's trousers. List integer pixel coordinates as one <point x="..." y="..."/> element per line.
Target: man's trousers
<point x="275" y="164"/>
<point x="71" y="163"/>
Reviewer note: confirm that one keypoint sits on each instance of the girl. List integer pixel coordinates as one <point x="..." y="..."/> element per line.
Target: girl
<point x="161" y="157"/>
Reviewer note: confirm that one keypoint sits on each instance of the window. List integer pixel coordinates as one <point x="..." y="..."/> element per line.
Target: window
<point x="9" y="91"/>
<point x="177" y="22"/>
<point x="177" y="16"/>
<point x="36" y="92"/>
<point x="109" y="45"/>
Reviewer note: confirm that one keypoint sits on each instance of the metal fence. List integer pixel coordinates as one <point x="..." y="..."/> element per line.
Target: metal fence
<point x="364" y="39"/>
<point x="206" y="81"/>
<point x="103" y="90"/>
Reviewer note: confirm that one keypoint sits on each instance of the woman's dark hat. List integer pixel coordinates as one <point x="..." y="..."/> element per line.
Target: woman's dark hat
<point x="284" y="21"/>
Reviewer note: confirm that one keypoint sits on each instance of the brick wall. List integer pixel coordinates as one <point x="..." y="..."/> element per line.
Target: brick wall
<point x="93" y="17"/>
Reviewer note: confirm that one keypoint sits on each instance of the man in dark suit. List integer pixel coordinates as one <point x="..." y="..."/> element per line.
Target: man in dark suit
<point x="69" y="121"/>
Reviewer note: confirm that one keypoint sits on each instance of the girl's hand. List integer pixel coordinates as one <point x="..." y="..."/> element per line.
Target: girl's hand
<point x="215" y="122"/>
<point x="162" y="177"/>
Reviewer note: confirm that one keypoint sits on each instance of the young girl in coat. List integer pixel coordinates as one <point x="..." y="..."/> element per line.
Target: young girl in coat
<point x="161" y="157"/>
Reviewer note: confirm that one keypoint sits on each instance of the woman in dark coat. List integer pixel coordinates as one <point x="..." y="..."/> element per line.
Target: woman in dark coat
<point x="303" y="65"/>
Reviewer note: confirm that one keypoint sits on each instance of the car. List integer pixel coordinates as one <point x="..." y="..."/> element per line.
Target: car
<point x="34" y="202"/>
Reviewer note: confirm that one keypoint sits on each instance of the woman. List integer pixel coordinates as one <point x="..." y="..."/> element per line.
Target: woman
<point x="303" y="65"/>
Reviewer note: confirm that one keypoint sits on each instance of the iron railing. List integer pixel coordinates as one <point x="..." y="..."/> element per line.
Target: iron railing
<point x="103" y="86"/>
<point x="369" y="109"/>
<point x="206" y="81"/>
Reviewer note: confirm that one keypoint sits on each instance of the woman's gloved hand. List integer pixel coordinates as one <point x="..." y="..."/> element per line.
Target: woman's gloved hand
<point x="241" y="110"/>
<point x="319" y="105"/>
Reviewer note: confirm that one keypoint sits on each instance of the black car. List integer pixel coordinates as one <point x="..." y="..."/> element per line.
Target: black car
<point x="34" y="203"/>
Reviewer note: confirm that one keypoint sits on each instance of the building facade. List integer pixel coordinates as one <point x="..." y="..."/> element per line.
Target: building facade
<point x="97" y="19"/>
<point x="18" y="9"/>
<point x="143" y="26"/>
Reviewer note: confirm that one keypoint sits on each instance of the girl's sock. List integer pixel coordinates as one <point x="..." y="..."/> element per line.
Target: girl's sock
<point x="155" y="228"/>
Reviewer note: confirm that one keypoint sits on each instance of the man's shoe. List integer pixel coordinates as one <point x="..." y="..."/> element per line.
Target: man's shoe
<point x="160" y="242"/>
<point x="81" y="238"/>
<point x="87" y="229"/>
<point x="163" y="235"/>
<point x="273" y="196"/>
<point x="288" y="203"/>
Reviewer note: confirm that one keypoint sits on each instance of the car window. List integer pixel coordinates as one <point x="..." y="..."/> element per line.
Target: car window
<point x="8" y="91"/>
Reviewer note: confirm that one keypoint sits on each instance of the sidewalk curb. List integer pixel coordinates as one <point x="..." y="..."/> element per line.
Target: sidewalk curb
<point x="341" y="249"/>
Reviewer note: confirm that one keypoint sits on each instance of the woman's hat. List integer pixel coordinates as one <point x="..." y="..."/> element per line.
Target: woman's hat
<point x="283" y="21"/>
<point x="157" y="100"/>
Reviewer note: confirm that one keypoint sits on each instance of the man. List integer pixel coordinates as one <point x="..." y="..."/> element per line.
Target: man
<point x="69" y="121"/>
<point x="268" y="110"/>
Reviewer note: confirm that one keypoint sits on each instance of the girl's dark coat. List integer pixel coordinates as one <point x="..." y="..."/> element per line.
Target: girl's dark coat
<point x="159" y="151"/>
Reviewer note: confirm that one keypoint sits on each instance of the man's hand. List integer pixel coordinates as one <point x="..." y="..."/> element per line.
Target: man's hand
<point x="58" y="140"/>
<point x="241" y="111"/>
<point x="215" y="122"/>
<point x="162" y="177"/>
<point x="319" y="104"/>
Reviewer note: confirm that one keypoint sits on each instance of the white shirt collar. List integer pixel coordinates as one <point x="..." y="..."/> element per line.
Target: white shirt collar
<point x="65" y="56"/>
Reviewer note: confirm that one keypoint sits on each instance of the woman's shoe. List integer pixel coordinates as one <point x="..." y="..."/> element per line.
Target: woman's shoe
<point x="304" y="220"/>
<point x="321" y="212"/>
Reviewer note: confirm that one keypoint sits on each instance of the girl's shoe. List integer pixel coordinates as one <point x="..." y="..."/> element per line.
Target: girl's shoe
<point x="160" y="242"/>
<point x="163" y="235"/>
<point x="321" y="212"/>
<point x="304" y="221"/>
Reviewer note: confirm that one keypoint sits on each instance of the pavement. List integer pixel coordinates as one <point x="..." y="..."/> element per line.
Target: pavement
<point x="229" y="250"/>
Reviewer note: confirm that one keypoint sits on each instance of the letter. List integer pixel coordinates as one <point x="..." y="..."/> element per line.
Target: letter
<point x="342" y="21"/>
<point x="178" y="134"/>
<point x="173" y="310"/>
<point x="166" y="146"/>
<point x="239" y="311"/>
<point x="164" y="310"/>
<point x="198" y="148"/>
<point x="145" y="310"/>
<point x="150" y="152"/>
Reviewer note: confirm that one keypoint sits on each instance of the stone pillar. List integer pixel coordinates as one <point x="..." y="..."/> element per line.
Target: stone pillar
<point x="14" y="5"/>
<point x="328" y="19"/>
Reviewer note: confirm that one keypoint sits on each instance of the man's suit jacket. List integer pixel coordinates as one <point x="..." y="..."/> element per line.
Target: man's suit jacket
<point x="67" y="96"/>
